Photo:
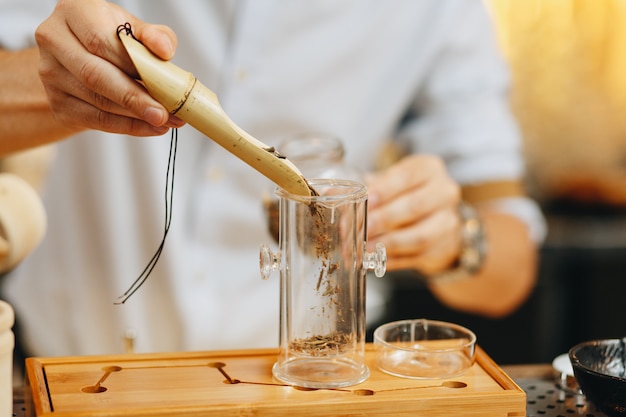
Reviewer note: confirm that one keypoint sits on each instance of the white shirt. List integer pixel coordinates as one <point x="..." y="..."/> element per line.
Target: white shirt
<point x="351" y="68"/>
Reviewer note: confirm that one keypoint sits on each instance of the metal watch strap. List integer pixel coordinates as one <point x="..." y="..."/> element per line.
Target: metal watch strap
<point x="473" y="250"/>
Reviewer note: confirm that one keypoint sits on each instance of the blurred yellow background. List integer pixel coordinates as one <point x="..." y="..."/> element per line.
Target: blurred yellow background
<point x="568" y="59"/>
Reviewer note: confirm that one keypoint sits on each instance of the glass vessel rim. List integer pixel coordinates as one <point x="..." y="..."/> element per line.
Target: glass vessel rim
<point x="465" y="333"/>
<point x="354" y="190"/>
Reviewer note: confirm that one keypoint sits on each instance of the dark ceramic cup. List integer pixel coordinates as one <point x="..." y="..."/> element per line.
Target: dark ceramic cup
<point x="600" y="369"/>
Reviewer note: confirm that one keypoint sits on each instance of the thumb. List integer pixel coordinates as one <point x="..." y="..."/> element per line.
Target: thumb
<point x="159" y="39"/>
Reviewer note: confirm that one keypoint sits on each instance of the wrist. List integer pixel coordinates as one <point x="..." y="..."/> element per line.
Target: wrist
<point x="473" y="248"/>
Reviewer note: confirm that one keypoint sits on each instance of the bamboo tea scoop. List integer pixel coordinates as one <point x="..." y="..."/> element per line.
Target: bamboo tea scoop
<point x="183" y="95"/>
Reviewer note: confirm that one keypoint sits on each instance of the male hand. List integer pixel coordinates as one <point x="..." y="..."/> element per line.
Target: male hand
<point x="413" y="210"/>
<point x="88" y="76"/>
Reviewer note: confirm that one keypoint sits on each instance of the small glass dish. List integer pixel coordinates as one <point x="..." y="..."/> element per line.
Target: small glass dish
<point x="424" y="349"/>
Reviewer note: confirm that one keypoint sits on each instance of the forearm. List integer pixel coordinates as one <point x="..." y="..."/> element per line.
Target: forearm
<point x="507" y="277"/>
<point x="25" y="118"/>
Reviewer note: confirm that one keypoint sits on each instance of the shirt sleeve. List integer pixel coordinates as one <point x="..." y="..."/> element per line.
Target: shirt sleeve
<point x="19" y="19"/>
<point x="462" y="114"/>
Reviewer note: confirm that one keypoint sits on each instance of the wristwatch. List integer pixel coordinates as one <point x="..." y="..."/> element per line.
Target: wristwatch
<point x="473" y="250"/>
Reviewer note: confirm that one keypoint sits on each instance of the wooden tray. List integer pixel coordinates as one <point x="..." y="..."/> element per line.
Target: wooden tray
<point x="192" y="384"/>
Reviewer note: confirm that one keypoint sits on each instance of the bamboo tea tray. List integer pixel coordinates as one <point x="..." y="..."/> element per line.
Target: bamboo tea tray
<point x="240" y="383"/>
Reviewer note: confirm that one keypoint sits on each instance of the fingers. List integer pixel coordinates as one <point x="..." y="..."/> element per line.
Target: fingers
<point x="90" y="117"/>
<point x="159" y="39"/>
<point x="417" y="237"/>
<point x="409" y="173"/>
<point x="413" y="211"/>
<point x="429" y="245"/>
<point x="87" y="74"/>
<point x="408" y="192"/>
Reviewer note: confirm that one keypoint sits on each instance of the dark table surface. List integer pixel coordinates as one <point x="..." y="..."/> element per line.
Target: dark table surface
<point x="545" y="395"/>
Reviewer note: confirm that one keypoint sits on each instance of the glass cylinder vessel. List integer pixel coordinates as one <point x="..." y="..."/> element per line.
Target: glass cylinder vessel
<point x="323" y="262"/>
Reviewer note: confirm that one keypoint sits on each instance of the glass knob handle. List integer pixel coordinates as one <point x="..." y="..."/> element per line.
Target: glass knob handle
<point x="376" y="260"/>
<point x="268" y="261"/>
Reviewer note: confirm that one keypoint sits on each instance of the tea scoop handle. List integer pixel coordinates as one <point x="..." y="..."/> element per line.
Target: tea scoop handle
<point x="183" y="95"/>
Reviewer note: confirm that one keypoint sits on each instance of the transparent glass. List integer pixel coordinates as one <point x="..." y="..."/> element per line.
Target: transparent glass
<point x="423" y="349"/>
<point x="323" y="262"/>
<point x="319" y="156"/>
<point x="316" y="156"/>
